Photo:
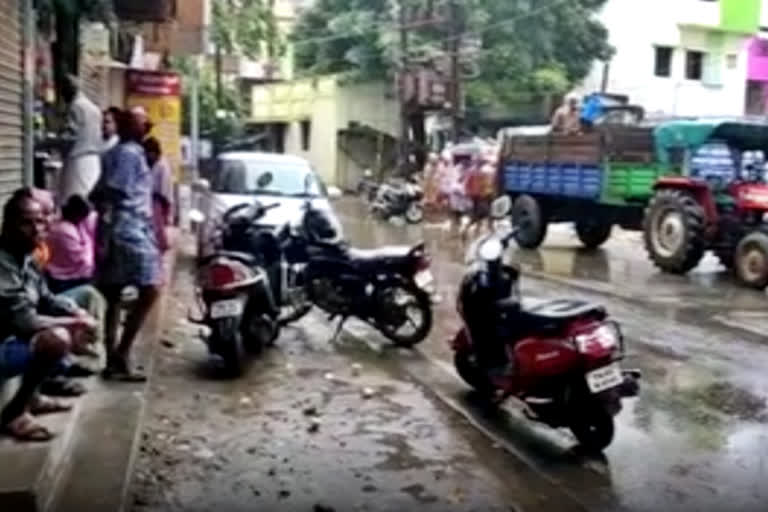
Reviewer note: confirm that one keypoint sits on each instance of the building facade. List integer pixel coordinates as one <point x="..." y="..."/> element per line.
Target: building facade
<point x="686" y="58"/>
<point x="315" y="118"/>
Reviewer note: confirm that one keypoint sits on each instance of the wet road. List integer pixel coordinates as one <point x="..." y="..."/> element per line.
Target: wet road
<point x="314" y="426"/>
<point x="696" y="438"/>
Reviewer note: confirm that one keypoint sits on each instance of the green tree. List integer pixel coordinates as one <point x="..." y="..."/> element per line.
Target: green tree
<point x="246" y="27"/>
<point x="525" y="47"/>
<point x="210" y="126"/>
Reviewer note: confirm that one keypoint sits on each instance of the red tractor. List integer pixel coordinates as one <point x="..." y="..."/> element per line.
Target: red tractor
<point x="719" y="200"/>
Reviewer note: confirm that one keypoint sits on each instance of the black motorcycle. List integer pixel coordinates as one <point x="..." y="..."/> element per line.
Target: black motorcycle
<point x="389" y="288"/>
<point x="399" y="199"/>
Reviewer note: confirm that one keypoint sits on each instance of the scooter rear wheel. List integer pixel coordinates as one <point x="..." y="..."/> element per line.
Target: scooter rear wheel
<point x="592" y="424"/>
<point x="227" y="338"/>
<point x="468" y="369"/>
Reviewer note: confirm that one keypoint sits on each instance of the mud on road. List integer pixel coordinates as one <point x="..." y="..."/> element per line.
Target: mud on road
<point x="316" y="426"/>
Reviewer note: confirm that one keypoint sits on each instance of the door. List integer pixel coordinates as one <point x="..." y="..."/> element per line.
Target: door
<point x="11" y="99"/>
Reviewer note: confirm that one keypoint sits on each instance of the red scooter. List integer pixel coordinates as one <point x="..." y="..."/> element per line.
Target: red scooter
<point x="561" y="358"/>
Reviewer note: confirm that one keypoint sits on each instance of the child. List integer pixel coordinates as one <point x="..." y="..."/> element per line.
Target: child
<point x="71" y="243"/>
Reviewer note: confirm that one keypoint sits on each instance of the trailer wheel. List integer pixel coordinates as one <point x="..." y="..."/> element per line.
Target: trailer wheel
<point x="673" y="230"/>
<point x="751" y="260"/>
<point x="593" y="233"/>
<point x="530" y="220"/>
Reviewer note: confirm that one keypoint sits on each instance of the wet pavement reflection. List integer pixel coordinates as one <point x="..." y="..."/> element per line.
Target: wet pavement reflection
<point x="696" y="437"/>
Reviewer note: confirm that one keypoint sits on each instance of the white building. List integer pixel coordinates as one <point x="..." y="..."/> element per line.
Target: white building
<point x="681" y="57"/>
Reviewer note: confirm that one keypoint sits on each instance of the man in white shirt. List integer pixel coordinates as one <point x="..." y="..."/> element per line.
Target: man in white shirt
<point x="83" y="163"/>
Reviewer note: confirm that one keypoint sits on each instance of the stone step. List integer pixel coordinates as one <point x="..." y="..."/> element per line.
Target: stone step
<point x="30" y="473"/>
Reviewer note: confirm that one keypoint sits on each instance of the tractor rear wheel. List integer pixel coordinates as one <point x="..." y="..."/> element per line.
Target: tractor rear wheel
<point x="673" y="230"/>
<point x="593" y="233"/>
<point x="751" y="260"/>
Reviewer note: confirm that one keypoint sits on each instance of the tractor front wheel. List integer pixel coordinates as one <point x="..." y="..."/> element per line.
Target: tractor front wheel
<point x="751" y="260"/>
<point x="673" y="230"/>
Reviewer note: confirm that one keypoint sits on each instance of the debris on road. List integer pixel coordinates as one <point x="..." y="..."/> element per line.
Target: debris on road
<point x="368" y="393"/>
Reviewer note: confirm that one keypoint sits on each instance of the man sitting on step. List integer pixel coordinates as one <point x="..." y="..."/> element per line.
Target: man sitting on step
<point x="37" y="329"/>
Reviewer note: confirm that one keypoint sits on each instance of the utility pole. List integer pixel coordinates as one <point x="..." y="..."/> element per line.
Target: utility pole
<point x="402" y="75"/>
<point x="454" y="46"/>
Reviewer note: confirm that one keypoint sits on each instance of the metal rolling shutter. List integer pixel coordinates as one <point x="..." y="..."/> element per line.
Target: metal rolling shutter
<point x="11" y="98"/>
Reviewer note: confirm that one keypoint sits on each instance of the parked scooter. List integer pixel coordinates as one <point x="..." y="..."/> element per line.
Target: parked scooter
<point x="235" y="292"/>
<point x="561" y="358"/>
<point x="390" y="288"/>
<point x="399" y="199"/>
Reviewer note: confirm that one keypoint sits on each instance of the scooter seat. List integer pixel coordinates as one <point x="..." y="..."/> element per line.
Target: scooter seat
<point x="558" y="311"/>
<point x="381" y="253"/>
<point x="242" y="257"/>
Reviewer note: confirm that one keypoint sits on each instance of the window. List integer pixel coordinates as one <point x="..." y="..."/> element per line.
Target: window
<point x="694" y="65"/>
<point x="306" y="134"/>
<point x="663" y="61"/>
<point x="732" y="61"/>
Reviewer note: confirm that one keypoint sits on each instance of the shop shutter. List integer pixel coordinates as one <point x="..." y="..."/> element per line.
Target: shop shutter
<point x="11" y="98"/>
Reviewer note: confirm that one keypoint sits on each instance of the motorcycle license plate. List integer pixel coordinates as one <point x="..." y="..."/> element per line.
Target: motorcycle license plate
<point x="604" y="378"/>
<point x="423" y="279"/>
<point x="226" y="308"/>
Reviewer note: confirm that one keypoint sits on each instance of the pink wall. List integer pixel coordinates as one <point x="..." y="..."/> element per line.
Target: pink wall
<point x="757" y="63"/>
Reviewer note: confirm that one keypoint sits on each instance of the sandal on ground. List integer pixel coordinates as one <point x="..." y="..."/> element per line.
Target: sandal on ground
<point x="119" y="371"/>
<point x="62" y="387"/>
<point x="25" y="429"/>
<point x="45" y="405"/>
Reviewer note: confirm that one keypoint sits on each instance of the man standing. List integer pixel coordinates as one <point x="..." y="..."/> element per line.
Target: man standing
<point x="39" y="328"/>
<point x="567" y="118"/>
<point x="83" y="164"/>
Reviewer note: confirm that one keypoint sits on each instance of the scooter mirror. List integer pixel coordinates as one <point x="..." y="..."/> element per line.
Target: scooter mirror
<point x="201" y="185"/>
<point x="501" y="207"/>
<point x="196" y="216"/>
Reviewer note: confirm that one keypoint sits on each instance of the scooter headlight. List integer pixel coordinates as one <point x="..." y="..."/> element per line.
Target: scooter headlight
<point x="491" y="249"/>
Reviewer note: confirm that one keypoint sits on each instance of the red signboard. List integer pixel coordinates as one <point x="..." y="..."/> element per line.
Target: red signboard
<point x="153" y="83"/>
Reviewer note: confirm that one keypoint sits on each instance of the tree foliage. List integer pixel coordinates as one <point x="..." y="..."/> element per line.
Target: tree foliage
<point x="231" y="101"/>
<point x="246" y="27"/>
<point x="525" y="47"/>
